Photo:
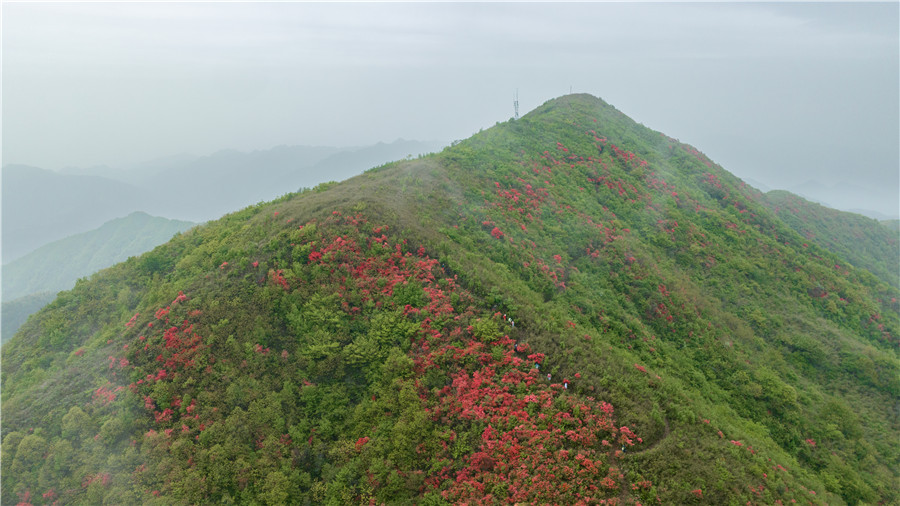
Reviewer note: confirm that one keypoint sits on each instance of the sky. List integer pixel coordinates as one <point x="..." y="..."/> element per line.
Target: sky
<point x="779" y="94"/>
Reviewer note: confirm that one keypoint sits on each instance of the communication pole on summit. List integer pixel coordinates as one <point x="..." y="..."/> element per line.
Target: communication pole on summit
<point x="516" y="103"/>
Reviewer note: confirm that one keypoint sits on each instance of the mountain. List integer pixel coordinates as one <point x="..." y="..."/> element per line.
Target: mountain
<point x="863" y="242"/>
<point x="875" y="215"/>
<point x="350" y="162"/>
<point x="16" y="312"/>
<point x="846" y="195"/>
<point x="56" y="266"/>
<point x="757" y="184"/>
<point x="243" y="179"/>
<point x="103" y="171"/>
<point x="567" y="308"/>
<point x="240" y="179"/>
<point x="40" y="206"/>
<point x="134" y="174"/>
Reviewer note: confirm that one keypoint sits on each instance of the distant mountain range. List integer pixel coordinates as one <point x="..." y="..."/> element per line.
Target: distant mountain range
<point x="16" y="312"/>
<point x="40" y="206"/>
<point x="844" y="196"/>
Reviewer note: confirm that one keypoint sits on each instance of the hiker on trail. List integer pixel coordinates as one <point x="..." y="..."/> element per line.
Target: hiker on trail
<point x="516" y="347"/>
<point x="566" y="385"/>
<point x="537" y="365"/>
<point x="548" y="376"/>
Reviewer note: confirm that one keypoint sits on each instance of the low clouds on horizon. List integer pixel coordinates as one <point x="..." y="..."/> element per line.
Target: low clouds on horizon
<point x="781" y="94"/>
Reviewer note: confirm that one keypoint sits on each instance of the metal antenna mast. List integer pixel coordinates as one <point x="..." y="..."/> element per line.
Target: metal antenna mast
<point x="516" y="103"/>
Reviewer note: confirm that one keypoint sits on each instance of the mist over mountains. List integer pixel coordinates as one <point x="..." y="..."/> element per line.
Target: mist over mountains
<point x="33" y="280"/>
<point x="40" y="206"/>
<point x="586" y="304"/>
<point x="55" y="266"/>
<point x="61" y="226"/>
<point x="849" y="196"/>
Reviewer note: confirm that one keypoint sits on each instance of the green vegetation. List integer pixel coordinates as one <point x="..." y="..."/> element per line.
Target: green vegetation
<point x="568" y="308"/>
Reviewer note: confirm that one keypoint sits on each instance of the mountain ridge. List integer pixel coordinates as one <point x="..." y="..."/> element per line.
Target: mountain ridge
<point x="42" y="206"/>
<point x="864" y="242"/>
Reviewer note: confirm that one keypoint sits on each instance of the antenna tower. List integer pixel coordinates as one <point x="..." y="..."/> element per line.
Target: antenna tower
<point x="516" y="103"/>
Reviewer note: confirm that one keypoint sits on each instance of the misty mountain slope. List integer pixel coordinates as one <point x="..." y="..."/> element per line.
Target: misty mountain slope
<point x="40" y="206"/>
<point x="864" y="242"/>
<point x="14" y="313"/>
<point x="137" y="173"/>
<point x="56" y="266"/>
<point x="242" y="179"/>
<point x="350" y="162"/>
<point x="568" y="308"/>
<point x="848" y="195"/>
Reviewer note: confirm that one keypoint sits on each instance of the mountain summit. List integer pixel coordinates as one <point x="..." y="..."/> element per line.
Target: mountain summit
<point x="567" y="308"/>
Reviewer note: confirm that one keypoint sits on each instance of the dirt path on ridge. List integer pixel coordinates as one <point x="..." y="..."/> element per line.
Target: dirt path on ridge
<point x="623" y="494"/>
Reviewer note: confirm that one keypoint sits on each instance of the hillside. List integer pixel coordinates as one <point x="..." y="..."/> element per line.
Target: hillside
<point x="864" y="242"/>
<point x="852" y="195"/>
<point x="567" y="308"/>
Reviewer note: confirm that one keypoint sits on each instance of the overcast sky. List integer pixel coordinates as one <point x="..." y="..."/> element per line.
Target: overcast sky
<point x="778" y="93"/>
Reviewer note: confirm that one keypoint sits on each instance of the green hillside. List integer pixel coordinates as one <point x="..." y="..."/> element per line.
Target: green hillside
<point x="863" y="242"/>
<point x="569" y="308"/>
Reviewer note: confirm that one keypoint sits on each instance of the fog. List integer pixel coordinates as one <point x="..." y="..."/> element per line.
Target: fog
<point x="800" y="96"/>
